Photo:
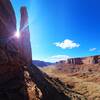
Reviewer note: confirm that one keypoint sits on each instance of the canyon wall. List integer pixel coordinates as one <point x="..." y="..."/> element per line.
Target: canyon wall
<point x="85" y="60"/>
<point x="14" y="52"/>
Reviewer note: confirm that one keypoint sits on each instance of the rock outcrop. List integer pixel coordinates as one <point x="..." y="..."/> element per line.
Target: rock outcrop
<point x="85" y="60"/>
<point x="25" y="47"/>
<point x="7" y="19"/>
<point x="9" y="58"/>
<point x="15" y="80"/>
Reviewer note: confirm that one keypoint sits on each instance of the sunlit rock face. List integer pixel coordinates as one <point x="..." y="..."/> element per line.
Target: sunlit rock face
<point x="25" y="45"/>
<point x="75" y="61"/>
<point x="85" y="60"/>
<point x="92" y="60"/>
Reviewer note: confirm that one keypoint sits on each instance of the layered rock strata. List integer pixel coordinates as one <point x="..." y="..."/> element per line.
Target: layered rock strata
<point x="85" y="60"/>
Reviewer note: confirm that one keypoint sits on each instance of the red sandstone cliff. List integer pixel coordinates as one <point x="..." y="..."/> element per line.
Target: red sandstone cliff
<point x="9" y="58"/>
<point x="15" y="80"/>
<point x="25" y="45"/>
<point x="85" y="60"/>
<point x="7" y="19"/>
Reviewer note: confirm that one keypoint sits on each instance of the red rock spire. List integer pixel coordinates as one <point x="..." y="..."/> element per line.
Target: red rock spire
<point x="25" y="44"/>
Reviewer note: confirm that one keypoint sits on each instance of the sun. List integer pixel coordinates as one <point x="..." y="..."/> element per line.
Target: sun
<point x="17" y="34"/>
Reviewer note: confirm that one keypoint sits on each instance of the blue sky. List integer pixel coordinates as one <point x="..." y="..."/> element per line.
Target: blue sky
<point x="62" y="28"/>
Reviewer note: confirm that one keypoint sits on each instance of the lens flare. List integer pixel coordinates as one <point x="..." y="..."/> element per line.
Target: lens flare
<point x="17" y="34"/>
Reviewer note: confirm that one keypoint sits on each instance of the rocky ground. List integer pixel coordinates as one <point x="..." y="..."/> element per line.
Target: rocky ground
<point x="32" y="84"/>
<point x="86" y="83"/>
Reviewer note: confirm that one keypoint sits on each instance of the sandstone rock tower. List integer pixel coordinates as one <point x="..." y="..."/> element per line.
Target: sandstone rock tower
<point x="25" y="37"/>
<point x="14" y="52"/>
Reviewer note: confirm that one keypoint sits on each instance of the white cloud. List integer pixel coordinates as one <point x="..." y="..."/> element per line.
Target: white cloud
<point x="92" y="49"/>
<point x="57" y="58"/>
<point x="67" y="44"/>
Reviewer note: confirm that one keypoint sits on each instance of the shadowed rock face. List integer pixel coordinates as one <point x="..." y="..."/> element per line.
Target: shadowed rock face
<point x="7" y="19"/>
<point x="14" y="52"/>
<point x="25" y="37"/>
<point x="15" y="82"/>
<point x="9" y="59"/>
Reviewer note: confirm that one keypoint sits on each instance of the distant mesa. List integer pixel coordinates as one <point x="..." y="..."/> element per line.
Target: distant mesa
<point x="85" y="60"/>
<point x="41" y="63"/>
<point x="75" y="61"/>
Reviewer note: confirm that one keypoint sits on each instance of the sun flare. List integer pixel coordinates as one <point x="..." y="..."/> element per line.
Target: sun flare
<point x="17" y="34"/>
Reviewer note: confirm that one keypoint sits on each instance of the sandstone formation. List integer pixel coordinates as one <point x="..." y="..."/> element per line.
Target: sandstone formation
<point x="85" y="60"/>
<point x="9" y="58"/>
<point x="7" y="19"/>
<point x="25" y="47"/>
<point x="19" y="80"/>
<point x="15" y="81"/>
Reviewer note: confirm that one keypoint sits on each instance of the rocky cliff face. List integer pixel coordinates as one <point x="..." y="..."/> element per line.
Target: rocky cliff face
<point x="25" y="47"/>
<point x="15" y="80"/>
<point x="7" y="19"/>
<point x="9" y="58"/>
<point x="85" y="60"/>
<point x="13" y="52"/>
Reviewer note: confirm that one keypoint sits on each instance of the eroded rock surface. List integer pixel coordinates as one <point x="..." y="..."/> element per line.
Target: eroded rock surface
<point x="7" y="19"/>
<point x="85" y="60"/>
<point x="9" y="58"/>
<point x="25" y="37"/>
<point x="15" y="82"/>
